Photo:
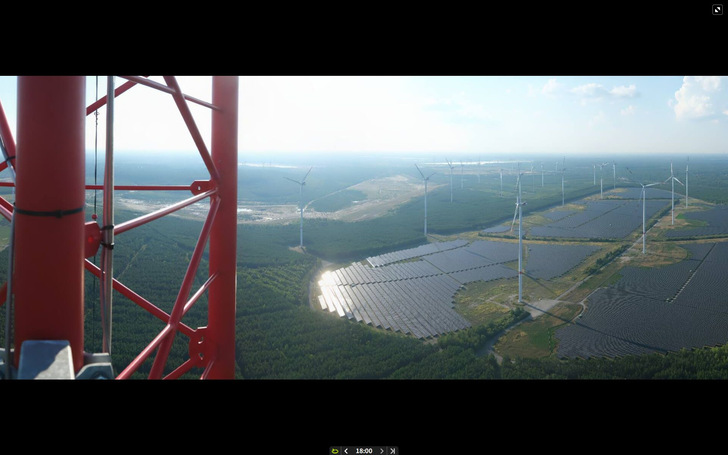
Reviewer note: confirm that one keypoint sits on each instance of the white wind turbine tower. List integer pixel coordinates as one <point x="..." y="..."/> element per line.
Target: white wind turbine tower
<point x="501" y="179"/>
<point x="461" y="175"/>
<point x="563" y="168"/>
<point x="672" y="179"/>
<point x="686" y="183"/>
<point x="541" y="175"/>
<point x="519" y="213"/>
<point x="426" y="179"/>
<point x="450" y="164"/>
<point x="614" y="172"/>
<point x="601" y="179"/>
<point x="301" y="183"/>
<point x="644" y="188"/>
<point x="594" y="166"/>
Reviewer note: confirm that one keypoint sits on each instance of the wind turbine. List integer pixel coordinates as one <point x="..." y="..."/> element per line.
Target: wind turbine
<point x="301" y="183"/>
<point x="672" y="179"/>
<point x="601" y="179"/>
<point x="425" y="179"/>
<point x="501" y="178"/>
<point x="450" y="164"/>
<point x="519" y="213"/>
<point x="563" y="168"/>
<point x="461" y="175"/>
<point x="541" y="175"/>
<point x="533" y="180"/>
<point x="644" y="187"/>
<point x="686" y="183"/>
<point x="614" y="171"/>
<point x="594" y="166"/>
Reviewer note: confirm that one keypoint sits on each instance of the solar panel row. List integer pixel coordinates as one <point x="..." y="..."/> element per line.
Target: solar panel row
<point x="541" y="263"/>
<point x="601" y="219"/>
<point x="422" y="250"/>
<point x="420" y="306"/>
<point x="638" y="314"/>
<point x="496" y="252"/>
<point x="414" y="297"/>
<point x="361" y="274"/>
<point x="488" y="273"/>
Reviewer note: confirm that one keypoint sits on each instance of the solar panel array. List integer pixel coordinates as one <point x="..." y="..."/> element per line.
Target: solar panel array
<point x="548" y="261"/>
<point x="418" y="306"/>
<point x="422" y="250"/>
<point x="604" y="219"/>
<point x="414" y="296"/>
<point x="636" y="193"/>
<point x="659" y="309"/>
<point x="715" y="217"/>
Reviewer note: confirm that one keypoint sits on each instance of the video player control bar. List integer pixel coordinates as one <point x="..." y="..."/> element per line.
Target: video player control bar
<point x="364" y="450"/>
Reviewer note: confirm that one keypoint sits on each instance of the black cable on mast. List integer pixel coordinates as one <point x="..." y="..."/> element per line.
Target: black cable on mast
<point x="96" y="147"/>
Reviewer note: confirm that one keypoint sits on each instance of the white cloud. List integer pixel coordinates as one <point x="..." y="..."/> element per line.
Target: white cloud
<point x="591" y="90"/>
<point x="700" y="97"/>
<point x="551" y="87"/>
<point x="629" y="110"/>
<point x="597" y="92"/>
<point x="709" y="83"/>
<point x="624" y="91"/>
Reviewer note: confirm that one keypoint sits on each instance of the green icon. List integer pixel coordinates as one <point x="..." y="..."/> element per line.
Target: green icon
<point x="334" y="451"/>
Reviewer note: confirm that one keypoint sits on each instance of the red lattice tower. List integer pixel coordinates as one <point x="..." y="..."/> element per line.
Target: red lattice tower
<point x="52" y="242"/>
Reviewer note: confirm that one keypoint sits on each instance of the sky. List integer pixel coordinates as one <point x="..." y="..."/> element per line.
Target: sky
<point x="459" y="116"/>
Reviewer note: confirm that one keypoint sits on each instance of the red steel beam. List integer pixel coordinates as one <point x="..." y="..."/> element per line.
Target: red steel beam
<point x="166" y="89"/>
<point x="125" y="226"/>
<point x="139" y="300"/>
<point x="179" y="305"/>
<point x="48" y="281"/>
<point x="102" y="101"/>
<point x="143" y="187"/>
<point x="223" y="237"/>
<point x="184" y="110"/>
<point x="6" y="209"/>
<point x="7" y="136"/>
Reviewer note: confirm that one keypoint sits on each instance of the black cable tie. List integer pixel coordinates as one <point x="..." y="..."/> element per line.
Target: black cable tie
<point x="109" y="246"/>
<point x="108" y="226"/>
<point x="54" y="213"/>
<point x="9" y="158"/>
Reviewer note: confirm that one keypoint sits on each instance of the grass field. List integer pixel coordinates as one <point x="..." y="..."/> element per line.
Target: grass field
<point x="534" y="338"/>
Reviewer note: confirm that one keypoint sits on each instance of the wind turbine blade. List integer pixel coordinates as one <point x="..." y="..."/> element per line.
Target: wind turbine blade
<point x="428" y="177"/>
<point x="652" y="184"/>
<point x="418" y="169"/>
<point x="304" y="178"/>
<point x="294" y="181"/>
<point x="678" y="181"/>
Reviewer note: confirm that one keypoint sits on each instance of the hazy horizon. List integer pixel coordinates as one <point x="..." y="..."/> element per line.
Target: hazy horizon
<point x="457" y="116"/>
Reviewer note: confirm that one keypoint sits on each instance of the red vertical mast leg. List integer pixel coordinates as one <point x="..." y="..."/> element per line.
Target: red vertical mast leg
<point x="49" y="248"/>
<point x="223" y="237"/>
